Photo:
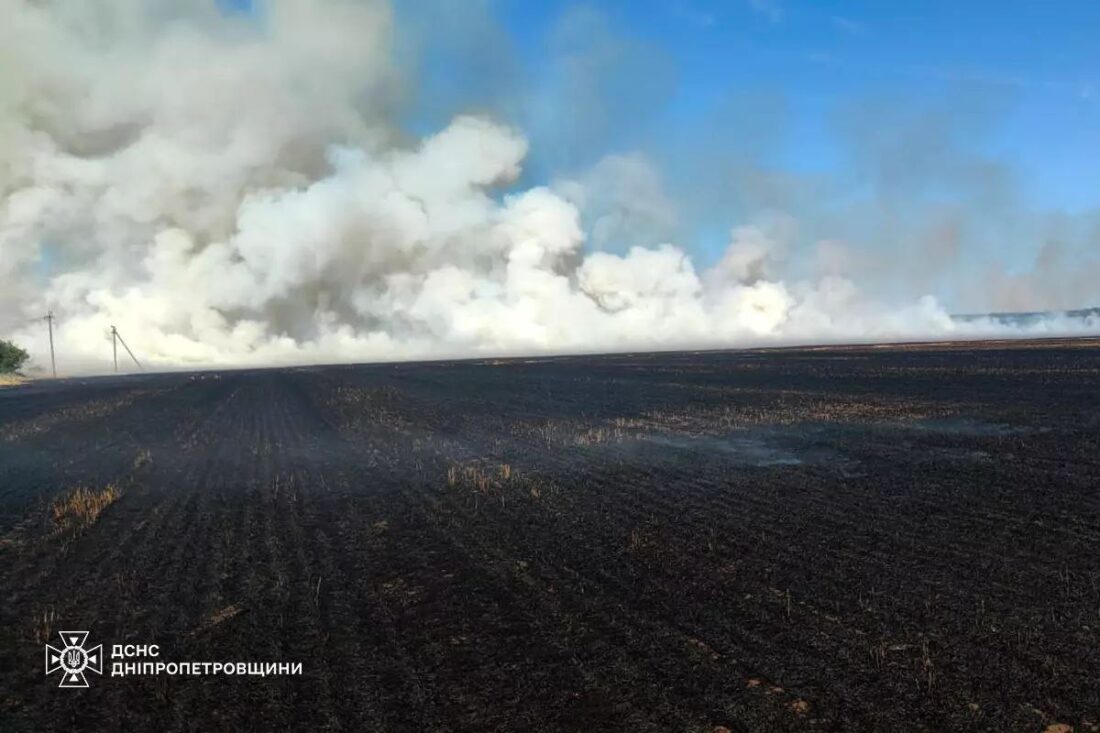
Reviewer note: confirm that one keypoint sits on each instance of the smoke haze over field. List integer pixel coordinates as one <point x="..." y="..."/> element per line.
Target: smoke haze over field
<point x="234" y="189"/>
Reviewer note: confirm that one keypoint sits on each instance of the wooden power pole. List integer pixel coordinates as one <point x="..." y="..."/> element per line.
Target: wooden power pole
<point x="116" y="337"/>
<point x="53" y="361"/>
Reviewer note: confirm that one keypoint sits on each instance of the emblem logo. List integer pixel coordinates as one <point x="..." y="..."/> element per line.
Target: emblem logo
<point x="73" y="659"/>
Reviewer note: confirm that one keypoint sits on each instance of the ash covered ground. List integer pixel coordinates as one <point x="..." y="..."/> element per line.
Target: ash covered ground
<point x="844" y="538"/>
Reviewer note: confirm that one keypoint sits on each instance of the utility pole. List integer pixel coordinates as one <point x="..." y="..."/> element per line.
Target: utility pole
<point x="116" y="337"/>
<point x="53" y="362"/>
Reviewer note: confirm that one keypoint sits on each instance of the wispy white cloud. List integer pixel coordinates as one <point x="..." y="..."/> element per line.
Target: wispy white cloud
<point x="694" y="15"/>
<point x="1083" y="90"/>
<point x="849" y="25"/>
<point x="771" y="9"/>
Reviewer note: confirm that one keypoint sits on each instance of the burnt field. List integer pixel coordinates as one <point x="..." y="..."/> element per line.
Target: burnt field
<point x="902" y="538"/>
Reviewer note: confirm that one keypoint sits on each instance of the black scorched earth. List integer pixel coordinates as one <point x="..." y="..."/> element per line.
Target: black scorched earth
<point x="902" y="538"/>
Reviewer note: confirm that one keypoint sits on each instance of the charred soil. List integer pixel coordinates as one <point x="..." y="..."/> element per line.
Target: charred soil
<point x="859" y="538"/>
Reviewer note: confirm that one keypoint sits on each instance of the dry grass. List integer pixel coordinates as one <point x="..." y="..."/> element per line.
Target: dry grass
<point x="485" y="479"/>
<point x="477" y="477"/>
<point x="79" y="509"/>
<point x="11" y="380"/>
<point x="72" y="414"/>
<point x="598" y="436"/>
<point x="564" y="433"/>
<point x="218" y="617"/>
<point x="43" y="626"/>
<point x="143" y="458"/>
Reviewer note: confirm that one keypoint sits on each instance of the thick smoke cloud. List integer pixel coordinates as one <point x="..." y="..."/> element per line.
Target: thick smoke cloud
<point x="231" y="191"/>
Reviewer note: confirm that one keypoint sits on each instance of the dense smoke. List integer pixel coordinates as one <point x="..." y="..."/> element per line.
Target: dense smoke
<point x="231" y="189"/>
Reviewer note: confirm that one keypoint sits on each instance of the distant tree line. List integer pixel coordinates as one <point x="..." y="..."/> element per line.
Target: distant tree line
<point x="12" y="358"/>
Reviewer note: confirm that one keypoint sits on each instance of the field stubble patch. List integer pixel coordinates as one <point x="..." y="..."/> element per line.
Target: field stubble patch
<point x="79" y="509"/>
<point x="611" y="543"/>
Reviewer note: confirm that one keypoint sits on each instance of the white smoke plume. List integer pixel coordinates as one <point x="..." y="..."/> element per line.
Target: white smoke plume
<point x="232" y="190"/>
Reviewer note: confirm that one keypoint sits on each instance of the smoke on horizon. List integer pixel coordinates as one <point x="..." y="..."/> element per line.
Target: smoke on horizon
<point x="238" y="191"/>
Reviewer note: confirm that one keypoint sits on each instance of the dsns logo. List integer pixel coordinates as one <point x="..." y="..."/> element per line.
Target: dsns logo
<point x="72" y="659"/>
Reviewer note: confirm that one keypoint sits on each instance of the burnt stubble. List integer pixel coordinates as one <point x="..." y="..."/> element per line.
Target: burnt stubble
<point x="845" y="538"/>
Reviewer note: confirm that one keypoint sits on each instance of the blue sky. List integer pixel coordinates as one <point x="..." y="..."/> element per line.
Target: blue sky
<point x="1037" y="63"/>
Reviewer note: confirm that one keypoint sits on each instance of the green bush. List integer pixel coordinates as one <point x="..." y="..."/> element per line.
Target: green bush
<point x="12" y="358"/>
